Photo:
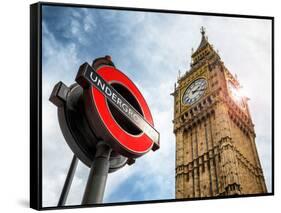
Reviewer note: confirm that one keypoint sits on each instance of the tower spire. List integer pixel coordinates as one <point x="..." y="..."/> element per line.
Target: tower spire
<point x="204" y="40"/>
<point x="203" y="31"/>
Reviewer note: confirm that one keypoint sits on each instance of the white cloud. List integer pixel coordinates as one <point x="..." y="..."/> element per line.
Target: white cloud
<point x="56" y="154"/>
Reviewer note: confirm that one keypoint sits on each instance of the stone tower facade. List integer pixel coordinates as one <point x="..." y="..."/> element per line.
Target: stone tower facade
<point x="216" y="153"/>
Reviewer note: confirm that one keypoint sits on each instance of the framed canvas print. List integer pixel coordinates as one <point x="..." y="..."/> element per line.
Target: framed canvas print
<point x="133" y="105"/>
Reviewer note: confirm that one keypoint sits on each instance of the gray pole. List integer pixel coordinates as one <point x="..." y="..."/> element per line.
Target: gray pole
<point x="98" y="175"/>
<point x="68" y="181"/>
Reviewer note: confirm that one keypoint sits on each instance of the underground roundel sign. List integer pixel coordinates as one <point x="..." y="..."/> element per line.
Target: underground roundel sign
<point x="116" y="110"/>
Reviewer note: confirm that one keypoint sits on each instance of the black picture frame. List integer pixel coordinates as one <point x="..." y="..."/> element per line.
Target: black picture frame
<point x="36" y="100"/>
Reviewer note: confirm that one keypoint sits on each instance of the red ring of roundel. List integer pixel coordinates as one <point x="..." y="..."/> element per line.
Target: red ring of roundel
<point x="136" y="144"/>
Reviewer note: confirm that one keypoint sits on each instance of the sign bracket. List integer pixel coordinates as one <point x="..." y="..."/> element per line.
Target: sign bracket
<point x="68" y="181"/>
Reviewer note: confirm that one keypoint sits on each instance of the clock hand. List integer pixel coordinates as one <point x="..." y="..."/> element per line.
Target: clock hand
<point x="197" y="90"/>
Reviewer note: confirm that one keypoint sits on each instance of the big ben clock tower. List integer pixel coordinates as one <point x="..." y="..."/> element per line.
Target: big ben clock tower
<point x="216" y="153"/>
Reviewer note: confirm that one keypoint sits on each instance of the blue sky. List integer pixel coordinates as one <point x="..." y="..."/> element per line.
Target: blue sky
<point x="150" y="48"/>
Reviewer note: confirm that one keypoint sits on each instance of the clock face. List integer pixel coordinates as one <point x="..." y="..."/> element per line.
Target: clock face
<point x="194" y="91"/>
<point x="236" y="96"/>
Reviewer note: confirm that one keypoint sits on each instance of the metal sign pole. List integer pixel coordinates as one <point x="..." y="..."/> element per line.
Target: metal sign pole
<point x="68" y="181"/>
<point x="98" y="175"/>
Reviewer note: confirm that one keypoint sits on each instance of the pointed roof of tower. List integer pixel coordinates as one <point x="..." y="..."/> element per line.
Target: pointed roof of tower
<point x="204" y="41"/>
<point x="203" y="50"/>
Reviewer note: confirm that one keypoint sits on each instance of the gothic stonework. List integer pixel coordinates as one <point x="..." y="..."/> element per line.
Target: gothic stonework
<point x="215" y="139"/>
